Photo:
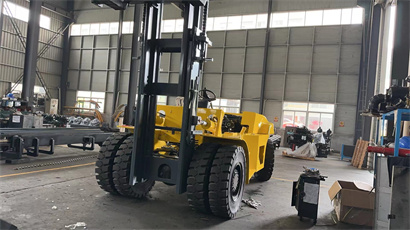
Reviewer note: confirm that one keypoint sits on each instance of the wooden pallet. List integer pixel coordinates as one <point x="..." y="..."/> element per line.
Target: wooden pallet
<point x="284" y="153"/>
<point x="359" y="153"/>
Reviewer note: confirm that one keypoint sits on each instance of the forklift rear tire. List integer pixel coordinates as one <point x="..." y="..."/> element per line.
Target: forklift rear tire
<point x="266" y="173"/>
<point x="105" y="161"/>
<point x="121" y="173"/>
<point x="198" y="176"/>
<point x="227" y="181"/>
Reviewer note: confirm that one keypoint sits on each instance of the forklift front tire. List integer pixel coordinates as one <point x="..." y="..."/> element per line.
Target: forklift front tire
<point x="105" y="162"/>
<point x="227" y="181"/>
<point x="121" y="173"/>
<point x="198" y="176"/>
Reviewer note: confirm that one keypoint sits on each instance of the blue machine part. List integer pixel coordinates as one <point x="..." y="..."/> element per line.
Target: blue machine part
<point x="404" y="142"/>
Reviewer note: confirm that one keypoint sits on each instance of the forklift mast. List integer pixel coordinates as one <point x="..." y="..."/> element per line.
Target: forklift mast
<point x="193" y="48"/>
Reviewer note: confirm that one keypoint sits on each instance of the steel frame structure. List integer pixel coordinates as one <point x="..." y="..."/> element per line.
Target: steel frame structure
<point x="14" y="142"/>
<point x="32" y="58"/>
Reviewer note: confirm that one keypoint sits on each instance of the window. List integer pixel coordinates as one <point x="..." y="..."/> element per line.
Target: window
<point x="37" y="89"/>
<point x="346" y="16"/>
<point x="295" y="106"/>
<point x="168" y="26"/>
<point x="234" y="23"/>
<point x="127" y="27"/>
<point x="262" y="21"/>
<point x="332" y="17"/>
<point x="112" y="28"/>
<point x="22" y="13"/>
<point x="296" y="19"/>
<point x="314" y="18"/>
<point x="210" y="24"/>
<point x="45" y="22"/>
<point x="311" y="115"/>
<point x="281" y="19"/>
<point x="94" y="29"/>
<point x="249" y="22"/>
<point x="318" y="17"/>
<point x="357" y="16"/>
<point x="85" y="29"/>
<point x="220" y="23"/>
<point x="162" y="100"/>
<point x="104" y="28"/>
<point x="83" y="98"/>
<point x="179" y="25"/>
<point x="75" y="30"/>
<point x="227" y="105"/>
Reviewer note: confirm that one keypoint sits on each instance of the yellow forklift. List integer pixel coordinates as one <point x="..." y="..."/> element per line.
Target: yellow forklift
<point x="205" y="152"/>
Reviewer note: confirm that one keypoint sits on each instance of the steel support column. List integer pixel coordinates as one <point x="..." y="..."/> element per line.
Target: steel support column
<point x="117" y="76"/>
<point x="401" y="52"/>
<point x="265" y="59"/>
<point x="30" y="59"/>
<point x="368" y="66"/>
<point x="66" y="60"/>
<point x="135" y="54"/>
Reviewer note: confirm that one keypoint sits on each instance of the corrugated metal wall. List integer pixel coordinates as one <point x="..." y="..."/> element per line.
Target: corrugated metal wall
<point x="306" y="64"/>
<point x="12" y="52"/>
<point x="92" y="66"/>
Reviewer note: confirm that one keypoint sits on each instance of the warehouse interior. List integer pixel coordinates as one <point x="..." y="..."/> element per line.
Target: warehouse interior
<point x="277" y="114"/>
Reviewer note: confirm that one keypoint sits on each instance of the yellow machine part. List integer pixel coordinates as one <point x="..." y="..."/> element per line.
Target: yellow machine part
<point x="253" y="137"/>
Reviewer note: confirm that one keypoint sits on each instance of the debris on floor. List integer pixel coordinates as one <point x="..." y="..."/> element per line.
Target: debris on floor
<point x="252" y="203"/>
<point x="307" y="151"/>
<point x="78" y="224"/>
<point x="54" y="207"/>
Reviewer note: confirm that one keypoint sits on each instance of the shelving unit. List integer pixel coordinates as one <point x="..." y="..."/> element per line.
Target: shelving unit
<point x="398" y="116"/>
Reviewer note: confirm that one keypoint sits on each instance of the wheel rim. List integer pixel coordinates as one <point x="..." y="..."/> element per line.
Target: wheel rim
<point x="236" y="182"/>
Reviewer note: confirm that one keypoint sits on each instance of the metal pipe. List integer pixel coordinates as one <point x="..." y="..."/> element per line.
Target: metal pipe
<point x="117" y="76"/>
<point x="133" y="80"/>
<point x="388" y="151"/>
<point x="30" y="59"/>
<point x="265" y="59"/>
<point x="65" y="61"/>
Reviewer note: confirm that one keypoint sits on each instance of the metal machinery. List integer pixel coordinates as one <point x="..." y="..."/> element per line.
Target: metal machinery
<point x="15" y="142"/>
<point x="21" y="132"/>
<point x="205" y="152"/>
<point x="305" y="195"/>
<point x="299" y="137"/>
<point x="396" y="97"/>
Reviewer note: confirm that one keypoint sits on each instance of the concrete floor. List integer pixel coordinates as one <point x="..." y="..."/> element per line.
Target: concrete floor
<point x="28" y="195"/>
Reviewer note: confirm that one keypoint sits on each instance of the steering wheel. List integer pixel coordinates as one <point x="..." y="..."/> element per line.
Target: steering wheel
<point x="207" y="95"/>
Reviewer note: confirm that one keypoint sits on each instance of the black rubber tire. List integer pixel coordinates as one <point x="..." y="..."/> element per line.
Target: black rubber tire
<point x="105" y="161"/>
<point x="228" y="162"/>
<point x="198" y="176"/>
<point x="266" y="173"/>
<point x="121" y="173"/>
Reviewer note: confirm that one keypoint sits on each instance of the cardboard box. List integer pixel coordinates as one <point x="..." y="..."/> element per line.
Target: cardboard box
<point x="353" y="202"/>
